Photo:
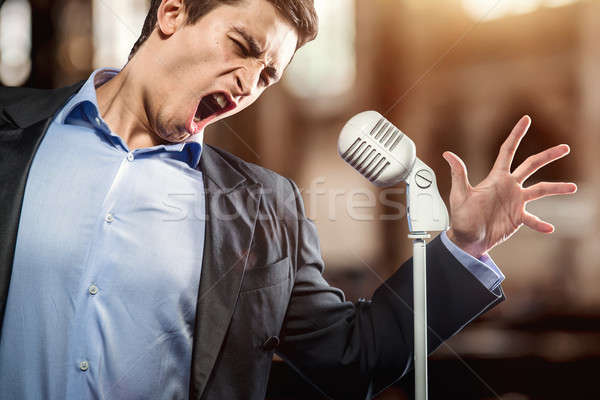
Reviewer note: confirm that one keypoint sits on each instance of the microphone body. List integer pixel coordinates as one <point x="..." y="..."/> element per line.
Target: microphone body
<point x="385" y="156"/>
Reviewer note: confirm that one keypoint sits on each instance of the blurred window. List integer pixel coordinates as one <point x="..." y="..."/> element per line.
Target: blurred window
<point x="491" y="9"/>
<point x="326" y="67"/>
<point x="15" y="42"/>
<point x="117" y="25"/>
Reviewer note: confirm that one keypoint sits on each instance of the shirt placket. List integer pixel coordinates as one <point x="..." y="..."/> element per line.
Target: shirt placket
<point x="85" y="358"/>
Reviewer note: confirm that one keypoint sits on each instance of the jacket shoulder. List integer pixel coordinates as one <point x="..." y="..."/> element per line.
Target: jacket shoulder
<point x="23" y="107"/>
<point x="13" y="95"/>
<point x="10" y="95"/>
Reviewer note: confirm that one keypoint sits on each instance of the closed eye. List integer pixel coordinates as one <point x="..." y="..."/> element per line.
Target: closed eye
<point x="242" y="48"/>
<point x="246" y="53"/>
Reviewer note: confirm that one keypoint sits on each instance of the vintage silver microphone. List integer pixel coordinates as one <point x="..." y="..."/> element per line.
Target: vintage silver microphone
<point x="385" y="156"/>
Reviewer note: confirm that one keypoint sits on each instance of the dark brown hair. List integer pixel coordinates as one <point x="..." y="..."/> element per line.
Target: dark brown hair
<point x="300" y="13"/>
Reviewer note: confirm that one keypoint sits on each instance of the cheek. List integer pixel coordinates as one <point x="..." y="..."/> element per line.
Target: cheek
<point x="206" y="46"/>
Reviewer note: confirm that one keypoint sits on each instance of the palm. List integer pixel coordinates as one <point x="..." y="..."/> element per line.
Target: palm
<point x="489" y="213"/>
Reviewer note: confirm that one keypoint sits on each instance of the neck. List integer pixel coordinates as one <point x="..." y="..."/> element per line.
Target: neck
<point x="121" y="104"/>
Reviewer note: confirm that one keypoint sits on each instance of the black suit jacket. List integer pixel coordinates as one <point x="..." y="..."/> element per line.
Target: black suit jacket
<point x="261" y="288"/>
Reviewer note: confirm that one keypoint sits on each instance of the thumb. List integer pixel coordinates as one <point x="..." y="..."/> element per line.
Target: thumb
<point x="458" y="169"/>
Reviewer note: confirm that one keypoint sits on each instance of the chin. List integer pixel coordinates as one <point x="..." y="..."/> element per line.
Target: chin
<point x="179" y="135"/>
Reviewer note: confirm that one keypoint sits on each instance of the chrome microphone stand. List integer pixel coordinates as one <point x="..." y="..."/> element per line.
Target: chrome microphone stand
<point x="426" y="212"/>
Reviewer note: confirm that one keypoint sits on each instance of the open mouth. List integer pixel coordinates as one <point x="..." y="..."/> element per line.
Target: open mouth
<point x="210" y="107"/>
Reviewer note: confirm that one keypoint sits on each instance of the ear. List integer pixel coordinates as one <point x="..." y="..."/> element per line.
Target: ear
<point x="170" y="16"/>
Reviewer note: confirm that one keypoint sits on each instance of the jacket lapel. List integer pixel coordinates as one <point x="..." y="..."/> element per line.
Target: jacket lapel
<point x="231" y="211"/>
<point x="31" y="117"/>
<point x="17" y="149"/>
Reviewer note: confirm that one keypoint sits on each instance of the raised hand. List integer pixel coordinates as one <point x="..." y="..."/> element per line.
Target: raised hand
<point x="485" y="215"/>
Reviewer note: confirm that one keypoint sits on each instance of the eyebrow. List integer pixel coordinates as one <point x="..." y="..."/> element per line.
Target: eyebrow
<point x="256" y="51"/>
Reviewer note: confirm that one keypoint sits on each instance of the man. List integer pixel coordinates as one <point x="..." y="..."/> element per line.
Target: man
<point x="137" y="263"/>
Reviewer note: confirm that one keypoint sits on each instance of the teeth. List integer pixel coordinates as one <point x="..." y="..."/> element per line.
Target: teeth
<point x="220" y="99"/>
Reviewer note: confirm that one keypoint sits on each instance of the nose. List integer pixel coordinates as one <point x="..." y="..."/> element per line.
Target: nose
<point x="246" y="80"/>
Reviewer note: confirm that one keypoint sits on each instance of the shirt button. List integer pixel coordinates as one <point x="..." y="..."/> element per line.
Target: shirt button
<point x="93" y="289"/>
<point x="130" y="157"/>
<point x="109" y="218"/>
<point x="84" y="366"/>
<point x="98" y="122"/>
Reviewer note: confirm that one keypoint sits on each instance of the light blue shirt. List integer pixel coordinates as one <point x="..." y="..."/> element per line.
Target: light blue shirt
<point x="106" y="271"/>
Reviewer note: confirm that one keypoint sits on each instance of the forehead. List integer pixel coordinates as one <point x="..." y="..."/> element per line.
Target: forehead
<point x="274" y="33"/>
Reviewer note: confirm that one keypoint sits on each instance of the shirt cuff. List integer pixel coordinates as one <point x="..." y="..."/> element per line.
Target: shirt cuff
<point x="483" y="268"/>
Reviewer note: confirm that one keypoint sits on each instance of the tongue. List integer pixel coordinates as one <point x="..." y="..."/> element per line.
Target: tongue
<point x="207" y="107"/>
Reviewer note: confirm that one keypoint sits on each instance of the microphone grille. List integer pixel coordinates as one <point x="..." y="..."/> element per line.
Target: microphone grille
<point x="365" y="159"/>
<point x="376" y="148"/>
<point x="386" y="134"/>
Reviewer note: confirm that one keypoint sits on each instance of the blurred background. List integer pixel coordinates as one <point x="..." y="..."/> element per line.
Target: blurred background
<point x="452" y="74"/>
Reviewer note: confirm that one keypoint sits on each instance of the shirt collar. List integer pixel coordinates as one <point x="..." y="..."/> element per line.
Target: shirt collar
<point x="87" y="93"/>
<point x="84" y="105"/>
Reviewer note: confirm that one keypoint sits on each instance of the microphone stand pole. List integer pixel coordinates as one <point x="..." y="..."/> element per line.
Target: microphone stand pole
<point x="426" y="212"/>
<point x="420" y="312"/>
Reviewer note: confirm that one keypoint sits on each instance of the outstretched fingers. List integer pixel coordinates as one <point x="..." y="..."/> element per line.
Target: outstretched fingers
<point x="509" y="147"/>
<point x="536" y="223"/>
<point x="537" y="161"/>
<point x="544" y="189"/>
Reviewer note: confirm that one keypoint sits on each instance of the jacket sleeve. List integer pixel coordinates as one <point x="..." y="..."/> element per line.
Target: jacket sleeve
<point x="369" y="344"/>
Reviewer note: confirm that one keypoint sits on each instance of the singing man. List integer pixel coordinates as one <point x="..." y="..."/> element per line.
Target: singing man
<point x="136" y="262"/>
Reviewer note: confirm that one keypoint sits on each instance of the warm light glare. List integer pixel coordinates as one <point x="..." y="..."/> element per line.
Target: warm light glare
<point x="15" y="42"/>
<point x="327" y="66"/>
<point x="117" y="25"/>
<point x="490" y="9"/>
